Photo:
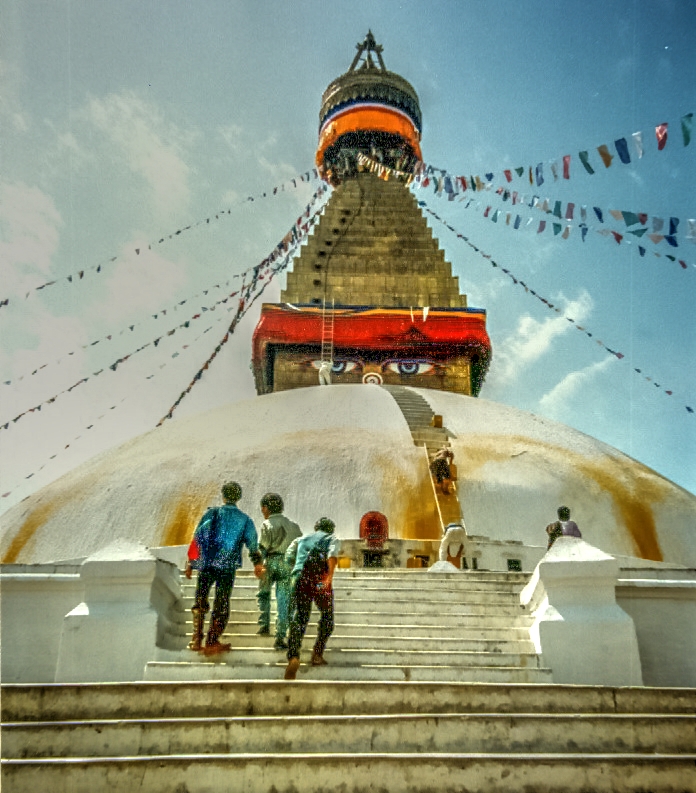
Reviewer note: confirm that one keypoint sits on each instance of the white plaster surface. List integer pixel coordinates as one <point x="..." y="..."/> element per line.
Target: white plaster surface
<point x="342" y="451"/>
<point x="112" y="633"/>
<point x="443" y="567"/>
<point x="579" y="630"/>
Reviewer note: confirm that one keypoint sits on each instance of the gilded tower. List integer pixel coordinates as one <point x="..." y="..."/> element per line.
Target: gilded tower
<point x="371" y="297"/>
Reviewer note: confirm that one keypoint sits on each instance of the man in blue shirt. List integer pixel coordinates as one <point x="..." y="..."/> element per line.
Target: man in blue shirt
<point x="216" y="552"/>
<point x="313" y="560"/>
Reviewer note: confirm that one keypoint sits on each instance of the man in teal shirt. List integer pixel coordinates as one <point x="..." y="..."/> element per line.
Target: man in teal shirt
<point x="313" y="560"/>
<point x="216" y="552"/>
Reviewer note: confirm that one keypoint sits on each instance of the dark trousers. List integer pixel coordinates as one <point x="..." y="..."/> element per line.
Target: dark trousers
<point x="304" y="593"/>
<point x="224" y="581"/>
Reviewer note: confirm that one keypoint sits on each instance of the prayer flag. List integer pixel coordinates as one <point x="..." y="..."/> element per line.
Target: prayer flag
<point x="569" y="211"/>
<point x="583" y="231"/>
<point x="657" y="224"/>
<point x="686" y="126"/>
<point x="622" y="150"/>
<point x="673" y="223"/>
<point x="638" y="143"/>
<point x="566" y="166"/>
<point x="542" y="226"/>
<point x="599" y="214"/>
<point x="616" y="214"/>
<point x="661" y="135"/>
<point x="557" y="229"/>
<point x="583" y="159"/>
<point x="554" y="170"/>
<point x="672" y="240"/>
<point x="508" y="175"/>
<point x="557" y="209"/>
<point x="519" y="171"/>
<point x="517" y="222"/>
<point x="605" y="155"/>
<point x="566" y="232"/>
<point x="618" y="237"/>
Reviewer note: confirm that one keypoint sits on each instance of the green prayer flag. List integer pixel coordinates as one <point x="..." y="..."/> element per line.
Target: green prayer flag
<point x="630" y="218"/>
<point x="583" y="159"/>
<point x="686" y="125"/>
<point x="519" y="171"/>
<point x="557" y="228"/>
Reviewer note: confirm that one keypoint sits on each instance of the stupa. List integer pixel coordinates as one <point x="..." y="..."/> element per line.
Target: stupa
<point x="372" y="306"/>
<point x="371" y="295"/>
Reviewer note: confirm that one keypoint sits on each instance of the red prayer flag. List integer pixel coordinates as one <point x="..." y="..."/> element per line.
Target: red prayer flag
<point x="661" y="135"/>
<point x="566" y="166"/>
<point x="508" y="175"/>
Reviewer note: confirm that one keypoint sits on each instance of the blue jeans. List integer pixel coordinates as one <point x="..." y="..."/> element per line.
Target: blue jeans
<point x="278" y="573"/>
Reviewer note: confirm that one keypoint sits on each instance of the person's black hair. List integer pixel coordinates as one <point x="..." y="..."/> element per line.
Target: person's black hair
<point x="273" y="503"/>
<point x="231" y="492"/>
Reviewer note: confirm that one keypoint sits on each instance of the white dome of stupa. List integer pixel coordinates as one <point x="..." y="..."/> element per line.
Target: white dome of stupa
<point x="342" y="451"/>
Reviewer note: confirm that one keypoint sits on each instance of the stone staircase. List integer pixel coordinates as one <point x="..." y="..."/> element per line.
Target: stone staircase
<point x="255" y="736"/>
<point x="390" y="624"/>
<point x="419" y="417"/>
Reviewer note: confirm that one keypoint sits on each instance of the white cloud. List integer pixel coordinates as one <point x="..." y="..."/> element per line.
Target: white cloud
<point x="138" y="283"/>
<point x="533" y="339"/>
<point x="29" y="223"/>
<point x="558" y="403"/>
<point x="152" y="147"/>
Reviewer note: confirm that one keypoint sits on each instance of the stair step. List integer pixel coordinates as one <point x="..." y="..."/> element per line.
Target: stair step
<point x="446" y="732"/>
<point x="355" y="656"/>
<point x="401" y="641"/>
<point x="395" y="617"/>
<point x="350" y="773"/>
<point x="413" y="633"/>
<point x="384" y="672"/>
<point x="70" y="701"/>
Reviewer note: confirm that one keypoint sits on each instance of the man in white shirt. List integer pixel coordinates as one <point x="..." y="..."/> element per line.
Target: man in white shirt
<point x="277" y="532"/>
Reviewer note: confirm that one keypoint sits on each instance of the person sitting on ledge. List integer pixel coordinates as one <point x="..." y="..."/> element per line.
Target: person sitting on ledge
<point x="563" y="527"/>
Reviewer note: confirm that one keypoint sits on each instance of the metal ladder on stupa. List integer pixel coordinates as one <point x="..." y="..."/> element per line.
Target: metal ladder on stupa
<point x="327" y="334"/>
<point x="420" y="418"/>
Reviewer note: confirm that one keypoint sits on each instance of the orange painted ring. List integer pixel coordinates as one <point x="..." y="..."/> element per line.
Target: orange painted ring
<point x="378" y="118"/>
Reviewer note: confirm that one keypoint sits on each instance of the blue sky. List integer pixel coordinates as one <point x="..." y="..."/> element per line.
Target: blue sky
<point x="125" y="122"/>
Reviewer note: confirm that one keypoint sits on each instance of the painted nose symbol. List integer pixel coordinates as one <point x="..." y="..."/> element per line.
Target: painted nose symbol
<point x="372" y="378"/>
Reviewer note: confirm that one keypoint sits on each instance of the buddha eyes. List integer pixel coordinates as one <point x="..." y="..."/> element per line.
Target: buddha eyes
<point x="404" y="368"/>
<point x="410" y="367"/>
<point x="339" y="367"/>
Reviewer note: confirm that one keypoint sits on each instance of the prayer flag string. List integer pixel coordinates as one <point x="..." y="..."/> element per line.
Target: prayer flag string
<point x="246" y="300"/>
<point x="519" y="282"/>
<point x="73" y="278"/>
<point x="446" y="185"/>
<point x="265" y="270"/>
<point x="108" y="410"/>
